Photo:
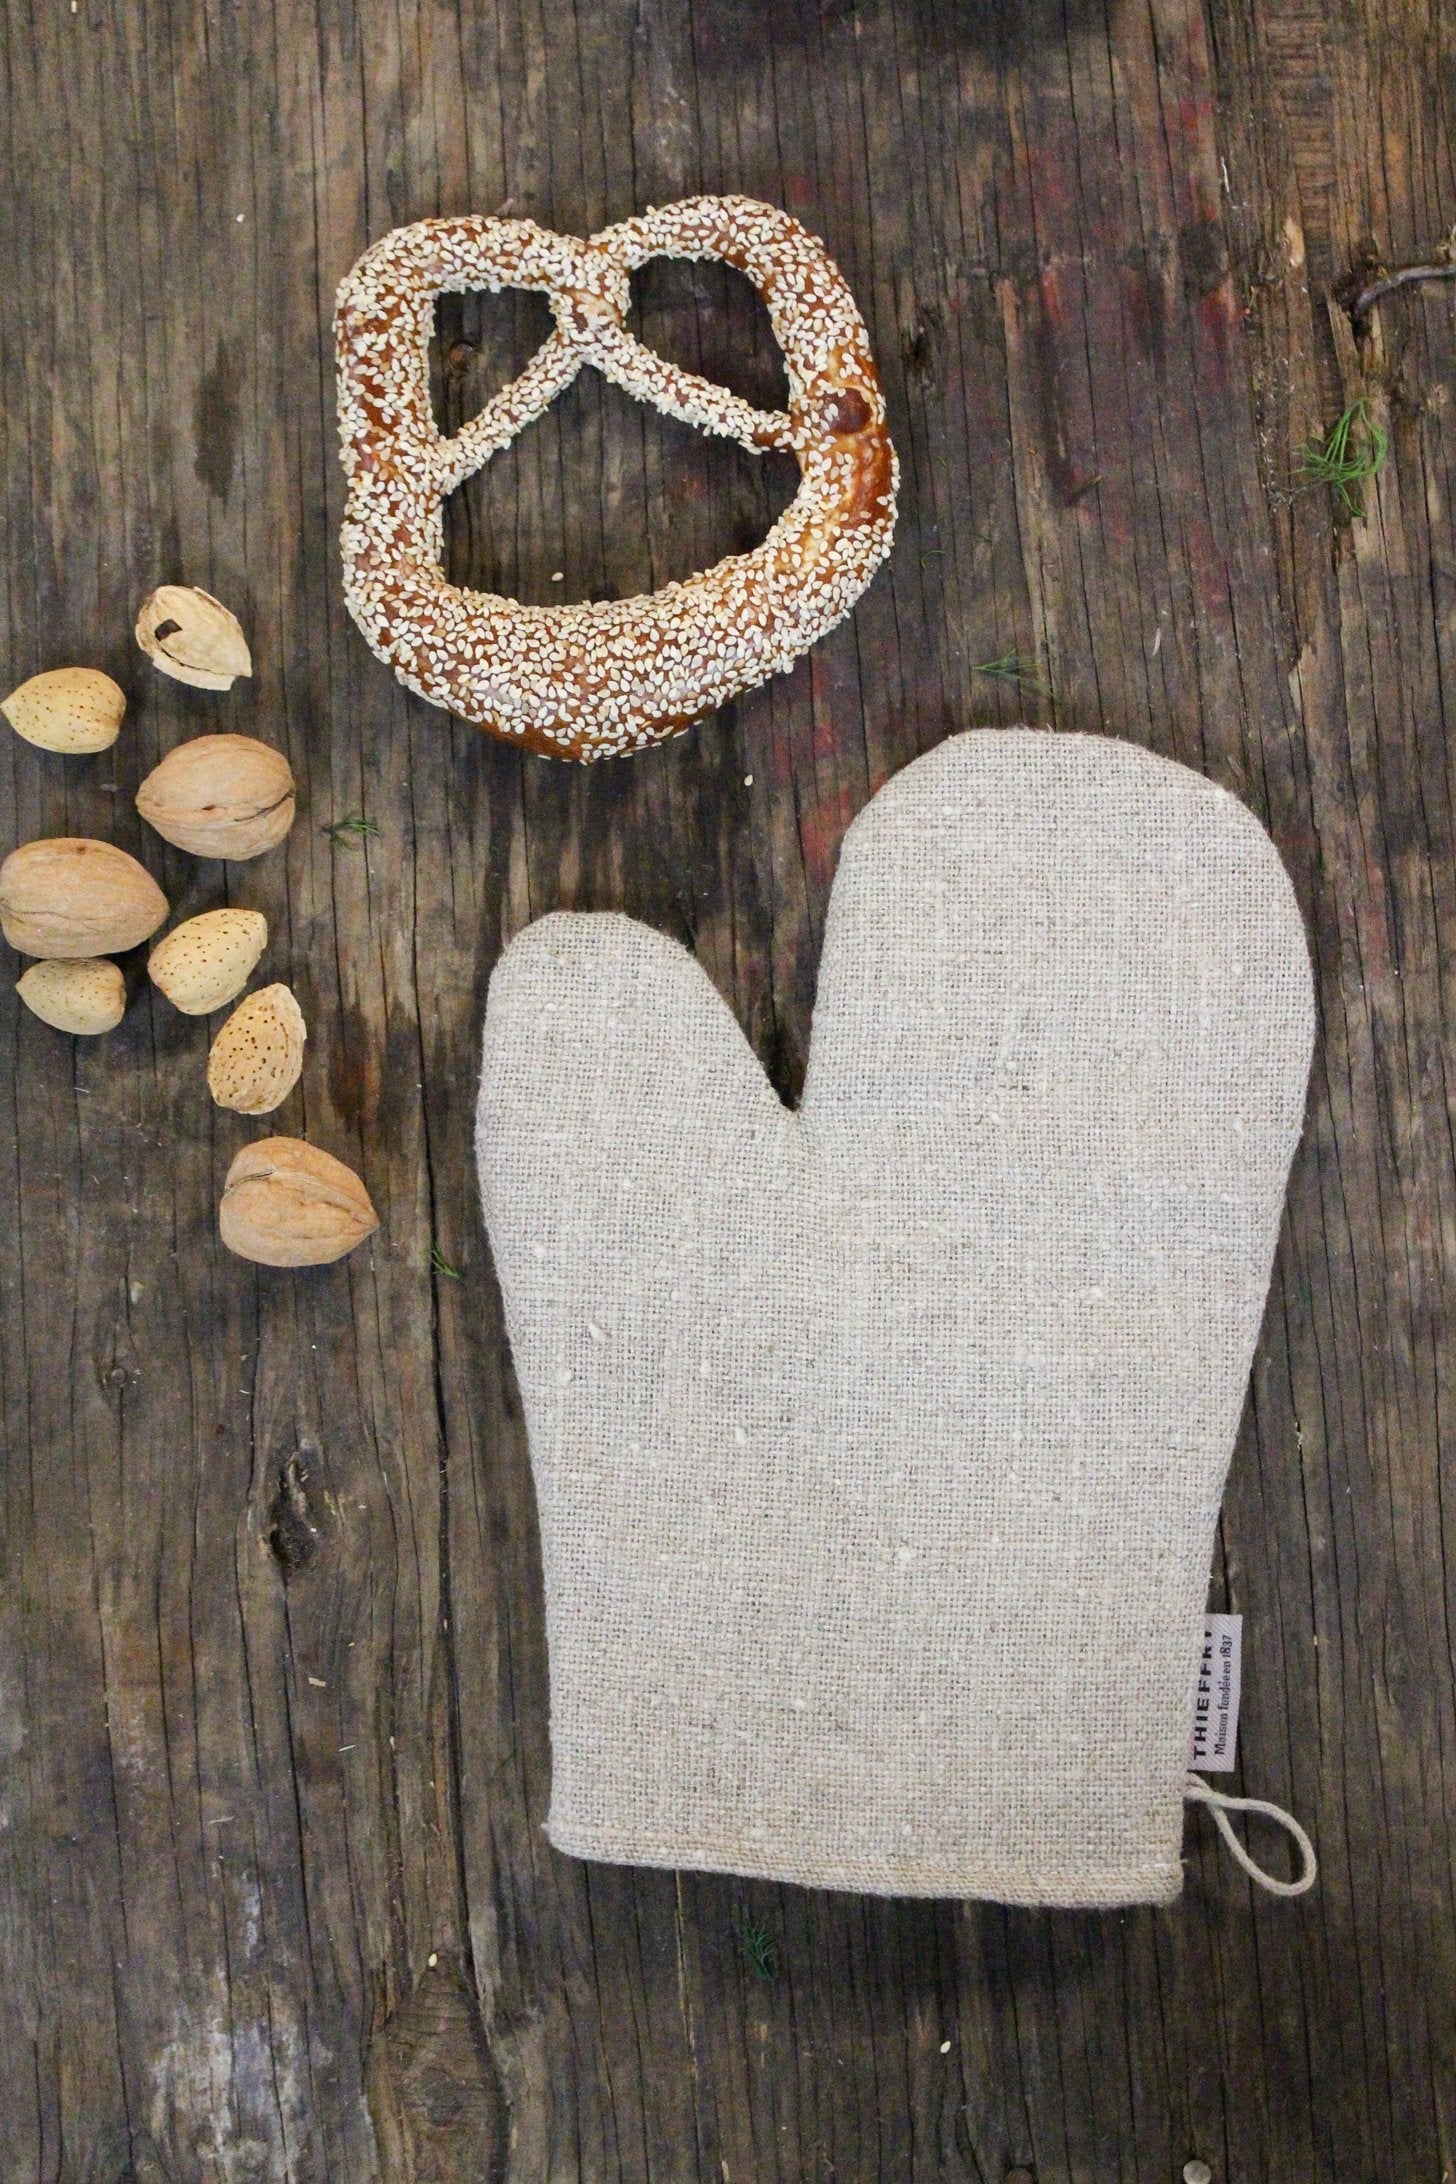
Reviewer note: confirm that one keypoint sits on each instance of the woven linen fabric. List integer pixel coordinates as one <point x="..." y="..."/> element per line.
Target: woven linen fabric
<point x="879" y="1446"/>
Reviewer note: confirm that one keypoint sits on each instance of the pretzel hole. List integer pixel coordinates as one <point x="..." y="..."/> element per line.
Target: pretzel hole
<point x="612" y="494"/>
<point x="480" y="343"/>
<point x="709" y="318"/>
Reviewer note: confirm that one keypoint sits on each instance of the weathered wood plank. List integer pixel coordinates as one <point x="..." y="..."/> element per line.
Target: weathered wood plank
<point x="273" y="1698"/>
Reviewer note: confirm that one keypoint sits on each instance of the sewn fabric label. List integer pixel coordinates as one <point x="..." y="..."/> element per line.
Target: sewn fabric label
<point x="1216" y="1703"/>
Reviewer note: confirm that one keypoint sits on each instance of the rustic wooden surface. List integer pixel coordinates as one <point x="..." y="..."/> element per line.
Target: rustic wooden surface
<point x="273" y="1757"/>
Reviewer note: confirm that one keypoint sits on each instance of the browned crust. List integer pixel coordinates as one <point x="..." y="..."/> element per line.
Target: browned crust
<point x="579" y="682"/>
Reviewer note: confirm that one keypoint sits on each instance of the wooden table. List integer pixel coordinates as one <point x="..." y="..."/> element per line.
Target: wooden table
<point x="273" y="1705"/>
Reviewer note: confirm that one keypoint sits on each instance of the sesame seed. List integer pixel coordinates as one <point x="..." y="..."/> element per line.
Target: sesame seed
<point x="593" y="680"/>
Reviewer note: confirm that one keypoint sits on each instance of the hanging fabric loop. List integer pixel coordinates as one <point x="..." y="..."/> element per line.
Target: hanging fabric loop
<point x="1220" y="1804"/>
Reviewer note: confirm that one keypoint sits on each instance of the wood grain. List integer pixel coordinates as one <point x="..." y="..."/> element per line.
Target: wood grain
<point x="274" y="1896"/>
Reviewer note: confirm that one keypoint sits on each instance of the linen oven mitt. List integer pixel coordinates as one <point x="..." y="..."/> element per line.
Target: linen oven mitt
<point x="879" y="1446"/>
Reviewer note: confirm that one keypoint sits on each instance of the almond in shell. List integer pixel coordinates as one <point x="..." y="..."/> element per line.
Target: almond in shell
<point x="206" y="961"/>
<point x="287" y="1204"/>
<point x="220" y="796"/>
<point x="86" y="995"/>
<point x="257" y="1057"/>
<point x="193" y="637"/>
<point x="70" y="709"/>
<point x="68" y="897"/>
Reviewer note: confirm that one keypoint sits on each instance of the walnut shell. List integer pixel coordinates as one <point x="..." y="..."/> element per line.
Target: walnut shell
<point x="193" y="637"/>
<point x="84" y="995"/>
<point x="206" y="961"/>
<point x="220" y="796"/>
<point x="70" y="898"/>
<point x="70" y="709"/>
<point x="257" y="1057"/>
<point x="287" y="1204"/>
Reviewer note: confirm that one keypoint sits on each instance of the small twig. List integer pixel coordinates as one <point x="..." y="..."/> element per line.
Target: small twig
<point x="1354" y="448"/>
<point x="356" y="828"/>
<point x="442" y="1265"/>
<point x="1012" y="668"/>
<point x="757" y="1946"/>
<point x="1403" y="277"/>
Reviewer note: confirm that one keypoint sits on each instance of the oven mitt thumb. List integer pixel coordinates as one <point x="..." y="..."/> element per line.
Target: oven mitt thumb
<point x="878" y="1447"/>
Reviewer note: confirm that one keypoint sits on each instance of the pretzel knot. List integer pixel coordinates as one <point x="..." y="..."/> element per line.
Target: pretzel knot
<point x="593" y="680"/>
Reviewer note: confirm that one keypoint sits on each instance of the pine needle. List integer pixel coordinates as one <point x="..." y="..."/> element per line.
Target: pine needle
<point x="442" y="1265"/>
<point x="1354" y="448"/>
<point x="1012" y="668"/>
<point x="356" y="828"/>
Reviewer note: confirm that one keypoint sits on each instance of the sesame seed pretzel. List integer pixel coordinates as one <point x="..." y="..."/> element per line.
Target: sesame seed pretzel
<point x="594" y="680"/>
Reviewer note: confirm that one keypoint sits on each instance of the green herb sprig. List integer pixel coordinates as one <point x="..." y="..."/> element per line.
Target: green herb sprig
<point x="757" y="1947"/>
<point x="1354" y="449"/>
<point x="355" y="829"/>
